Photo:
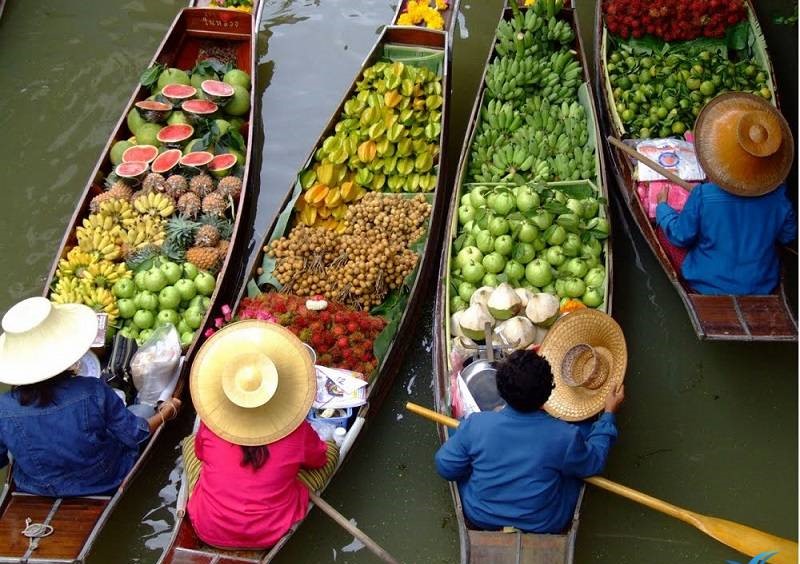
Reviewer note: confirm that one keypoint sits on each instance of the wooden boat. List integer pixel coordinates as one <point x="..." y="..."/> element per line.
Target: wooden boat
<point x="716" y="318"/>
<point x="487" y="546"/>
<point x="77" y="522"/>
<point x="185" y="546"/>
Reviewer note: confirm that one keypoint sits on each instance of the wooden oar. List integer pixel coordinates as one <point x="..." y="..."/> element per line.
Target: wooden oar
<point x="671" y="176"/>
<point x="746" y="540"/>
<point x="350" y="528"/>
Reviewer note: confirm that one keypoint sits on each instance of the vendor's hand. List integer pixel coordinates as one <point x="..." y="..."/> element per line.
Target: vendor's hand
<point x="170" y="408"/>
<point x="615" y="398"/>
<point x="662" y="195"/>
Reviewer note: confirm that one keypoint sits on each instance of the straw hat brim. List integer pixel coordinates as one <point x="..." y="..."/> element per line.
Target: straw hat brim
<point x="284" y="411"/>
<point x="594" y="328"/>
<point x="725" y="162"/>
<point x="48" y="348"/>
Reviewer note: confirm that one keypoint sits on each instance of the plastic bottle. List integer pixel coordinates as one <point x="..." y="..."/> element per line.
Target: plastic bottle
<point x="338" y="436"/>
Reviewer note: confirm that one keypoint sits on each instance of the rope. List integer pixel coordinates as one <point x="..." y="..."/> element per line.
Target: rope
<point x="36" y="531"/>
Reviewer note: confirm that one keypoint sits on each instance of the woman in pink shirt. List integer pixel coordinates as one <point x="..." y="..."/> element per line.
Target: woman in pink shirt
<point x="252" y="385"/>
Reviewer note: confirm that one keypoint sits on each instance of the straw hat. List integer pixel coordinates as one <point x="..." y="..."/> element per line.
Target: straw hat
<point x="743" y="144"/>
<point x="41" y="339"/>
<point x="253" y="382"/>
<point x="587" y="354"/>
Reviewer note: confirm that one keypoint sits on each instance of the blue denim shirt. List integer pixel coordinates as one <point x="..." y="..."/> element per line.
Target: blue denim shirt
<point x="84" y="443"/>
<point x="523" y="469"/>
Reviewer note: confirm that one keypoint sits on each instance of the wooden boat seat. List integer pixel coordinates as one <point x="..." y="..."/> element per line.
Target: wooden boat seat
<point x="72" y="520"/>
<point x="744" y="317"/>
<point x="516" y="548"/>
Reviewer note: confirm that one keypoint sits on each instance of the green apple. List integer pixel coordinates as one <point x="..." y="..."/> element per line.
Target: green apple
<point x="144" y="334"/>
<point x="190" y="270"/>
<point x="205" y="283"/>
<point x="183" y="327"/>
<point x="138" y="280"/>
<point x="169" y="298"/>
<point x="168" y="316"/>
<point x="154" y="279"/>
<point x="125" y="288"/>
<point x="186" y="288"/>
<point x="127" y="308"/>
<point x="196" y="301"/>
<point x="144" y="319"/>
<point x="205" y="303"/>
<point x="146" y="300"/>
<point x="194" y="317"/>
<point x="172" y="271"/>
<point x="129" y="332"/>
<point x="186" y="338"/>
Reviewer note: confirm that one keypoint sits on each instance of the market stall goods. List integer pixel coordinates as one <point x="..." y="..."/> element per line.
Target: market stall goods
<point x="136" y="253"/>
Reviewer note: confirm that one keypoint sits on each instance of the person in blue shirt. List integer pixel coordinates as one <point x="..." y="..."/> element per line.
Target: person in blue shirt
<point x="520" y="466"/>
<point x="733" y="224"/>
<point x="68" y="435"/>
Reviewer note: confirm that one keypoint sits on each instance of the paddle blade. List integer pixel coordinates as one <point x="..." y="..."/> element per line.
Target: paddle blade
<point x="748" y="540"/>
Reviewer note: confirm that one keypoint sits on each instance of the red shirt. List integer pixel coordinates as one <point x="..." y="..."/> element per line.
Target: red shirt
<point x="235" y="506"/>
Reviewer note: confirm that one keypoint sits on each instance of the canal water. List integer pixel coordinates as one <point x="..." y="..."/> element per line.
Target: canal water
<point x="708" y="426"/>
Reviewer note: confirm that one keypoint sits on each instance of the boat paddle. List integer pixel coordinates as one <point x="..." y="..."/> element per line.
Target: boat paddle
<point x="672" y="177"/>
<point x="374" y="547"/>
<point x="746" y="540"/>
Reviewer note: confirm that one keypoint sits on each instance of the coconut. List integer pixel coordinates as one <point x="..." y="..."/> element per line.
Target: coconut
<point x="455" y="328"/>
<point x="481" y="296"/>
<point x="542" y="309"/>
<point x="463" y="346"/>
<point x="472" y="321"/>
<point x="504" y="302"/>
<point x="524" y="295"/>
<point x="519" y="332"/>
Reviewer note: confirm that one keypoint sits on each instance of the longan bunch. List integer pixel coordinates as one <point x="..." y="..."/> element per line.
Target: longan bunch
<point x="360" y="266"/>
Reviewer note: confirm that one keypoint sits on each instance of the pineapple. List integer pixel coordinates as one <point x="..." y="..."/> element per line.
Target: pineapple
<point x="189" y="204"/>
<point x="177" y="186"/>
<point x="202" y="185"/>
<point x="230" y="186"/>
<point x="215" y="204"/>
<point x="204" y="258"/>
<point x="180" y="231"/>
<point x="206" y="236"/>
<point x="223" y="225"/>
<point x="94" y="205"/>
<point x="121" y="191"/>
<point x="222" y="247"/>
<point x="135" y="258"/>
<point x="154" y="182"/>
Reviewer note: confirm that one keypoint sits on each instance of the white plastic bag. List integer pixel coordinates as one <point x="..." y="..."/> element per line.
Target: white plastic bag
<point x="154" y="363"/>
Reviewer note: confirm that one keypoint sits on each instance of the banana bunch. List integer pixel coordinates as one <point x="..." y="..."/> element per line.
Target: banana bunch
<point x="146" y="230"/>
<point x="154" y="204"/>
<point x="120" y="212"/>
<point x="101" y="300"/>
<point x="69" y="290"/>
<point x="103" y="274"/>
<point x="100" y="241"/>
<point x="531" y="32"/>
<point x="75" y="264"/>
<point x="509" y="78"/>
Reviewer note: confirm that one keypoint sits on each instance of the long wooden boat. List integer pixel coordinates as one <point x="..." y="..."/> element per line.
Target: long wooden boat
<point x="716" y="318"/>
<point x="185" y="546"/>
<point x="487" y="546"/>
<point x="77" y="522"/>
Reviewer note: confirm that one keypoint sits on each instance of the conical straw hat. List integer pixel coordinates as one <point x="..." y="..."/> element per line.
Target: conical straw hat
<point x="252" y="382"/>
<point x="41" y="339"/>
<point x="743" y="144"/>
<point x="587" y="354"/>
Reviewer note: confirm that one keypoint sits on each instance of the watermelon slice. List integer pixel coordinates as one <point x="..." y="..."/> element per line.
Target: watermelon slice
<point x="152" y="111"/>
<point x="198" y="109"/>
<point x="133" y="171"/>
<point x="221" y="165"/>
<point x="140" y="154"/>
<point x="176" y="93"/>
<point x="175" y="135"/>
<point x="217" y="91"/>
<point x="197" y="159"/>
<point x="166" y="161"/>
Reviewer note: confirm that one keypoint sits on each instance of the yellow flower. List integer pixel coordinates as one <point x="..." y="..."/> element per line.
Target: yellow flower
<point x="441" y="4"/>
<point x="405" y="19"/>
<point x="434" y="20"/>
<point x="529" y="3"/>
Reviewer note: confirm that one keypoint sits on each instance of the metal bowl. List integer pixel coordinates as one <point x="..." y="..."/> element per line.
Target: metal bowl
<point x="480" y="376"/>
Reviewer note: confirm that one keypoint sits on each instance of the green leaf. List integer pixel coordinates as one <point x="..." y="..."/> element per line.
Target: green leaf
<point x="212" y="67"/>
<point x="459" y="242"/>
<point x="267" y="278"/>
<point x="736" y="36"/>
<point x="149" y="77"/>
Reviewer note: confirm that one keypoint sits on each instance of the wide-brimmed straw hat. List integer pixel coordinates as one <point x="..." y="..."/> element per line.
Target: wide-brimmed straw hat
<point x="41" y="339"/>
<point x="743" y="144"/>
<point x="252" y="382"/>
<point x="587" y="355"/>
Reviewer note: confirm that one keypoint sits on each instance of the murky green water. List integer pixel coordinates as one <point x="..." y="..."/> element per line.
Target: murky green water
<point x="710" y="426"/>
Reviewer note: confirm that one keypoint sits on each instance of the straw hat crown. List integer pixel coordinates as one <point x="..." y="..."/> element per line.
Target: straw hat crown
<point x="744" y="144"/>
<point x="588" y="356"/>
<point x="41" y="339"/>
<point x="252" y="383"/>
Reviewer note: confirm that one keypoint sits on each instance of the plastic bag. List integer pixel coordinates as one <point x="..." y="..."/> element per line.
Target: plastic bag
<point x="153" y="365"/>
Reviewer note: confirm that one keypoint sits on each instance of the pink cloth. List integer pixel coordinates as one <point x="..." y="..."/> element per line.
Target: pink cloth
<point x="675" y="254"/>
<point x="235" y="506"/>
<point x="649" y="191"/>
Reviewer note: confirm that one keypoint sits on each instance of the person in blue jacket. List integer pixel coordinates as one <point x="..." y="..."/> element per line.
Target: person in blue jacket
<point x="520" y="466"/>
<point x="733" y="224"/>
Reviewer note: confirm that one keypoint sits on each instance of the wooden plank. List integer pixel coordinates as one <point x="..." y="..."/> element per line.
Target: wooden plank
<point x="767" y="316"/>
<point x="12" y="521"/>
<point x="512" y="548"/>
<point x="718" y="316"/>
